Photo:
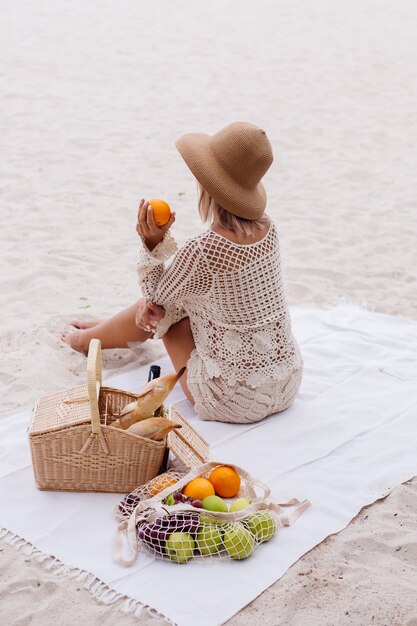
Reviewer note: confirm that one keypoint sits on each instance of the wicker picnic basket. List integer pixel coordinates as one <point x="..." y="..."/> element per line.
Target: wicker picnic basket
<point x="74" y="446"/>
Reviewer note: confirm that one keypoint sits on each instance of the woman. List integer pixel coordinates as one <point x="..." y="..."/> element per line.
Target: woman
<point x="219" y="305"/>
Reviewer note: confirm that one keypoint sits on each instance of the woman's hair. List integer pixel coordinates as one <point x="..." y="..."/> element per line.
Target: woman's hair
<point x="209" y="209"/>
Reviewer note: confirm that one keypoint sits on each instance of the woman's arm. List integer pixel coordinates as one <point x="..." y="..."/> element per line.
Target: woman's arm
<point x="187" y="275"/>
<point x="158" y="246"/>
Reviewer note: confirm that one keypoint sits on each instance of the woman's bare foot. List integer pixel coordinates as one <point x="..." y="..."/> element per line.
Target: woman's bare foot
<point x="117" y="331"/>
<point x="77" y="340"/>
<point x="84" y="324"/>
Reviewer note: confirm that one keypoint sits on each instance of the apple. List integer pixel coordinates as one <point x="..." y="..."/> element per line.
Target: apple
<point x="262" y="526"/>
<point x="238" y="504"/>
<point x="209" y="539"/>
<point x="238" y="541"/>
<point x="180" y="547"/>
<point x="214" y="503"/>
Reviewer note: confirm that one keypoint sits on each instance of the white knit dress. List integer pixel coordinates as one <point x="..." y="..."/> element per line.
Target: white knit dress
<point x="246" y="363"/>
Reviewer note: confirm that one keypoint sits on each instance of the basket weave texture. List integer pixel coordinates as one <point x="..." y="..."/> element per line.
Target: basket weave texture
<point x="74" y="447"/>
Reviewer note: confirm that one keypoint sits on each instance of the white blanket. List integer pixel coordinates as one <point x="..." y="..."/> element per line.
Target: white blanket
<point x="348" y="440"/>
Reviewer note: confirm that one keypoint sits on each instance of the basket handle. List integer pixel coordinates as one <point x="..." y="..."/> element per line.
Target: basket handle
<point x="93" y="377"/>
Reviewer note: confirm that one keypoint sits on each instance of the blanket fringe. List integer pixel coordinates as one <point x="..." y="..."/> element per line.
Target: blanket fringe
<point x="97" y="588"/>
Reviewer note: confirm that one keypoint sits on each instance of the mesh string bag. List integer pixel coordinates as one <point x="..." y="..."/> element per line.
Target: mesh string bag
<point x="180" y="532"/>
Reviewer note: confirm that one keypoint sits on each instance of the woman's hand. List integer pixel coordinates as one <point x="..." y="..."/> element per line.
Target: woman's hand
<point x="146" y="227"/>
<point x="148" y="315"/>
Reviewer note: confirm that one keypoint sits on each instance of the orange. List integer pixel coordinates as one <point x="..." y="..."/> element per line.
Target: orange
<point x="161" y="211"/>
<point x="226" y="481"/>
<point x="198" y="488"/>
<point x="160" y="483"/>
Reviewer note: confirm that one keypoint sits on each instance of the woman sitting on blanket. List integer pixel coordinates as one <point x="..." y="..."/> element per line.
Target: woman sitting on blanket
<point x="219" y="304"/>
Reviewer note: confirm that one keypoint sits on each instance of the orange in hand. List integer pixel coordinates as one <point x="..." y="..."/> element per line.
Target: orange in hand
<point x="225" y="481"/>
<point x="161" y="211"/>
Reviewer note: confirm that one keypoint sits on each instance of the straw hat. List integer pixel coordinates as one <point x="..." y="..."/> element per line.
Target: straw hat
<point x="229" y="165"/>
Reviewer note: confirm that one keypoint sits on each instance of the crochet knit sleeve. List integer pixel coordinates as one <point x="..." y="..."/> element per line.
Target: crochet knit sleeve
<point x="185" y="276"/>
<point x="151" y="264"/>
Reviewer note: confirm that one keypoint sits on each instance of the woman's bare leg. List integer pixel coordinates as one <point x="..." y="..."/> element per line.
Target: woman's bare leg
<point x="179" y="343"/>
<point x="83" y="324"/>
<point x="121" y="329"/>
<point x="116" y="332"/>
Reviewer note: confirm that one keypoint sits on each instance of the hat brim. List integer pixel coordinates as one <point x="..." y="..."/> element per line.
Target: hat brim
<point x="196" y="151"/>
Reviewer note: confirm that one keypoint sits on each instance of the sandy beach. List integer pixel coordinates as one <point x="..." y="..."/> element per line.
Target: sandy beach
<point x="93" y="97"/>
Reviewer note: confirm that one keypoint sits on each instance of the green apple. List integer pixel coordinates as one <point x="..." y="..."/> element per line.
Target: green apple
<point x="238" y="504"/>
<point x="209" y="539"/>
<point x="238" y="541"/>
<point x="262" y="526"/>
<point x="180" y="547"/>
<point x="214" y="503"/>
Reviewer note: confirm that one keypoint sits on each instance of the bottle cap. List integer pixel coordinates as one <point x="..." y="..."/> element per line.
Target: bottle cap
<point x="154" y="372"/>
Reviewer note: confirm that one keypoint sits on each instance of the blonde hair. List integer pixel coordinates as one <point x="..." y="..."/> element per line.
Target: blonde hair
<point x="209" y="210"/>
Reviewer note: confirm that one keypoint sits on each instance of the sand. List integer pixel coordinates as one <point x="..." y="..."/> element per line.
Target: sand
<point x="93" y="96"/>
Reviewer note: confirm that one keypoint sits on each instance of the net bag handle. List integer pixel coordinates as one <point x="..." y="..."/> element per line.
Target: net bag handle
<point x="286" y="517"/>
<point x="126" y="532"/>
